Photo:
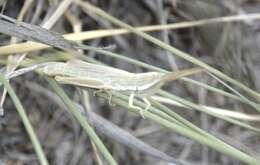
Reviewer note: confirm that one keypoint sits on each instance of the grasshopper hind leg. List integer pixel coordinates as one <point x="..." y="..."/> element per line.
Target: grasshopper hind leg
<point x="148" y="104"/>
<point x="131" y="105"/>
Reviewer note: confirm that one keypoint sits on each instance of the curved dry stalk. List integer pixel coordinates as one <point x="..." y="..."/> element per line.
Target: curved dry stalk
<point x="219" y="111"/>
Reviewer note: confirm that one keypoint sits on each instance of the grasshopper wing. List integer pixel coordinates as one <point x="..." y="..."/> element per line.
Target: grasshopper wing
<point x="82" y="82"/>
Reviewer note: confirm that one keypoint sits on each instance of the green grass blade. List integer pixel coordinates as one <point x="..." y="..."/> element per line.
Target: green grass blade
<point x="36" y="144"/>
<point x="226" y="149"/>
<point x="200" y="137"/>
<point x="83" y="122"/>
<point x="216" y="144"/>
<point x="202" y="109"/>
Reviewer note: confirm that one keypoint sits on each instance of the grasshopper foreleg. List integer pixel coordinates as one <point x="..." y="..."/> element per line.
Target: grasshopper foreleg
<point x="107" y="92"/>
<point x="97" y="92"/>
<point x="110" y="97"/>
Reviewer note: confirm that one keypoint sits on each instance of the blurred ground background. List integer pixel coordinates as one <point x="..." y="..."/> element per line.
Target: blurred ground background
<point x="231" y="47"/>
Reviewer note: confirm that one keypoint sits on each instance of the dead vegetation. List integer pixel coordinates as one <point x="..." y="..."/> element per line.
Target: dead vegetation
<point x="230" y="47"/>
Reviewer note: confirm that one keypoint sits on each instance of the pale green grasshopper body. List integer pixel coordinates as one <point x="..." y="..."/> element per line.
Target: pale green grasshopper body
<point x="87" y="75"/>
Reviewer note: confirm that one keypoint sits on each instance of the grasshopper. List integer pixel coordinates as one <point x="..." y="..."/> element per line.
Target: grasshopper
<point x="87" y="75"/>
<point x="105" y="78"/>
